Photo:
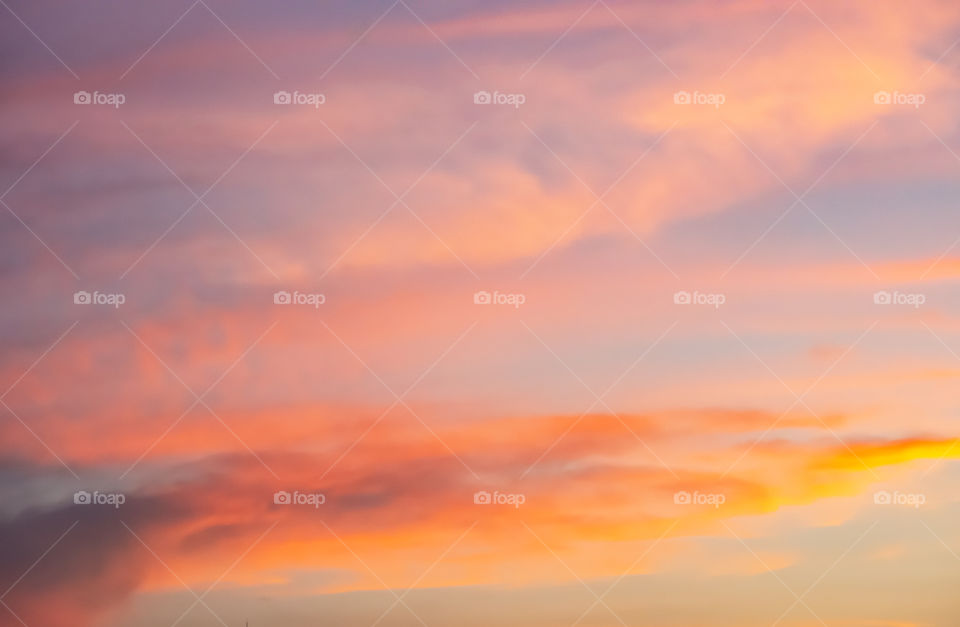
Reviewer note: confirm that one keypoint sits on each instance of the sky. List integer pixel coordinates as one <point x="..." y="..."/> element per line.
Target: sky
<point x="418" y="313"/>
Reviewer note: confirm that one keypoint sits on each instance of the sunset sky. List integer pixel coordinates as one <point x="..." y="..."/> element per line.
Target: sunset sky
<point x="413" y="313"/>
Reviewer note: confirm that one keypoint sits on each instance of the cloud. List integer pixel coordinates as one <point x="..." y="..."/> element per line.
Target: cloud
<point x="392" y="502"/>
